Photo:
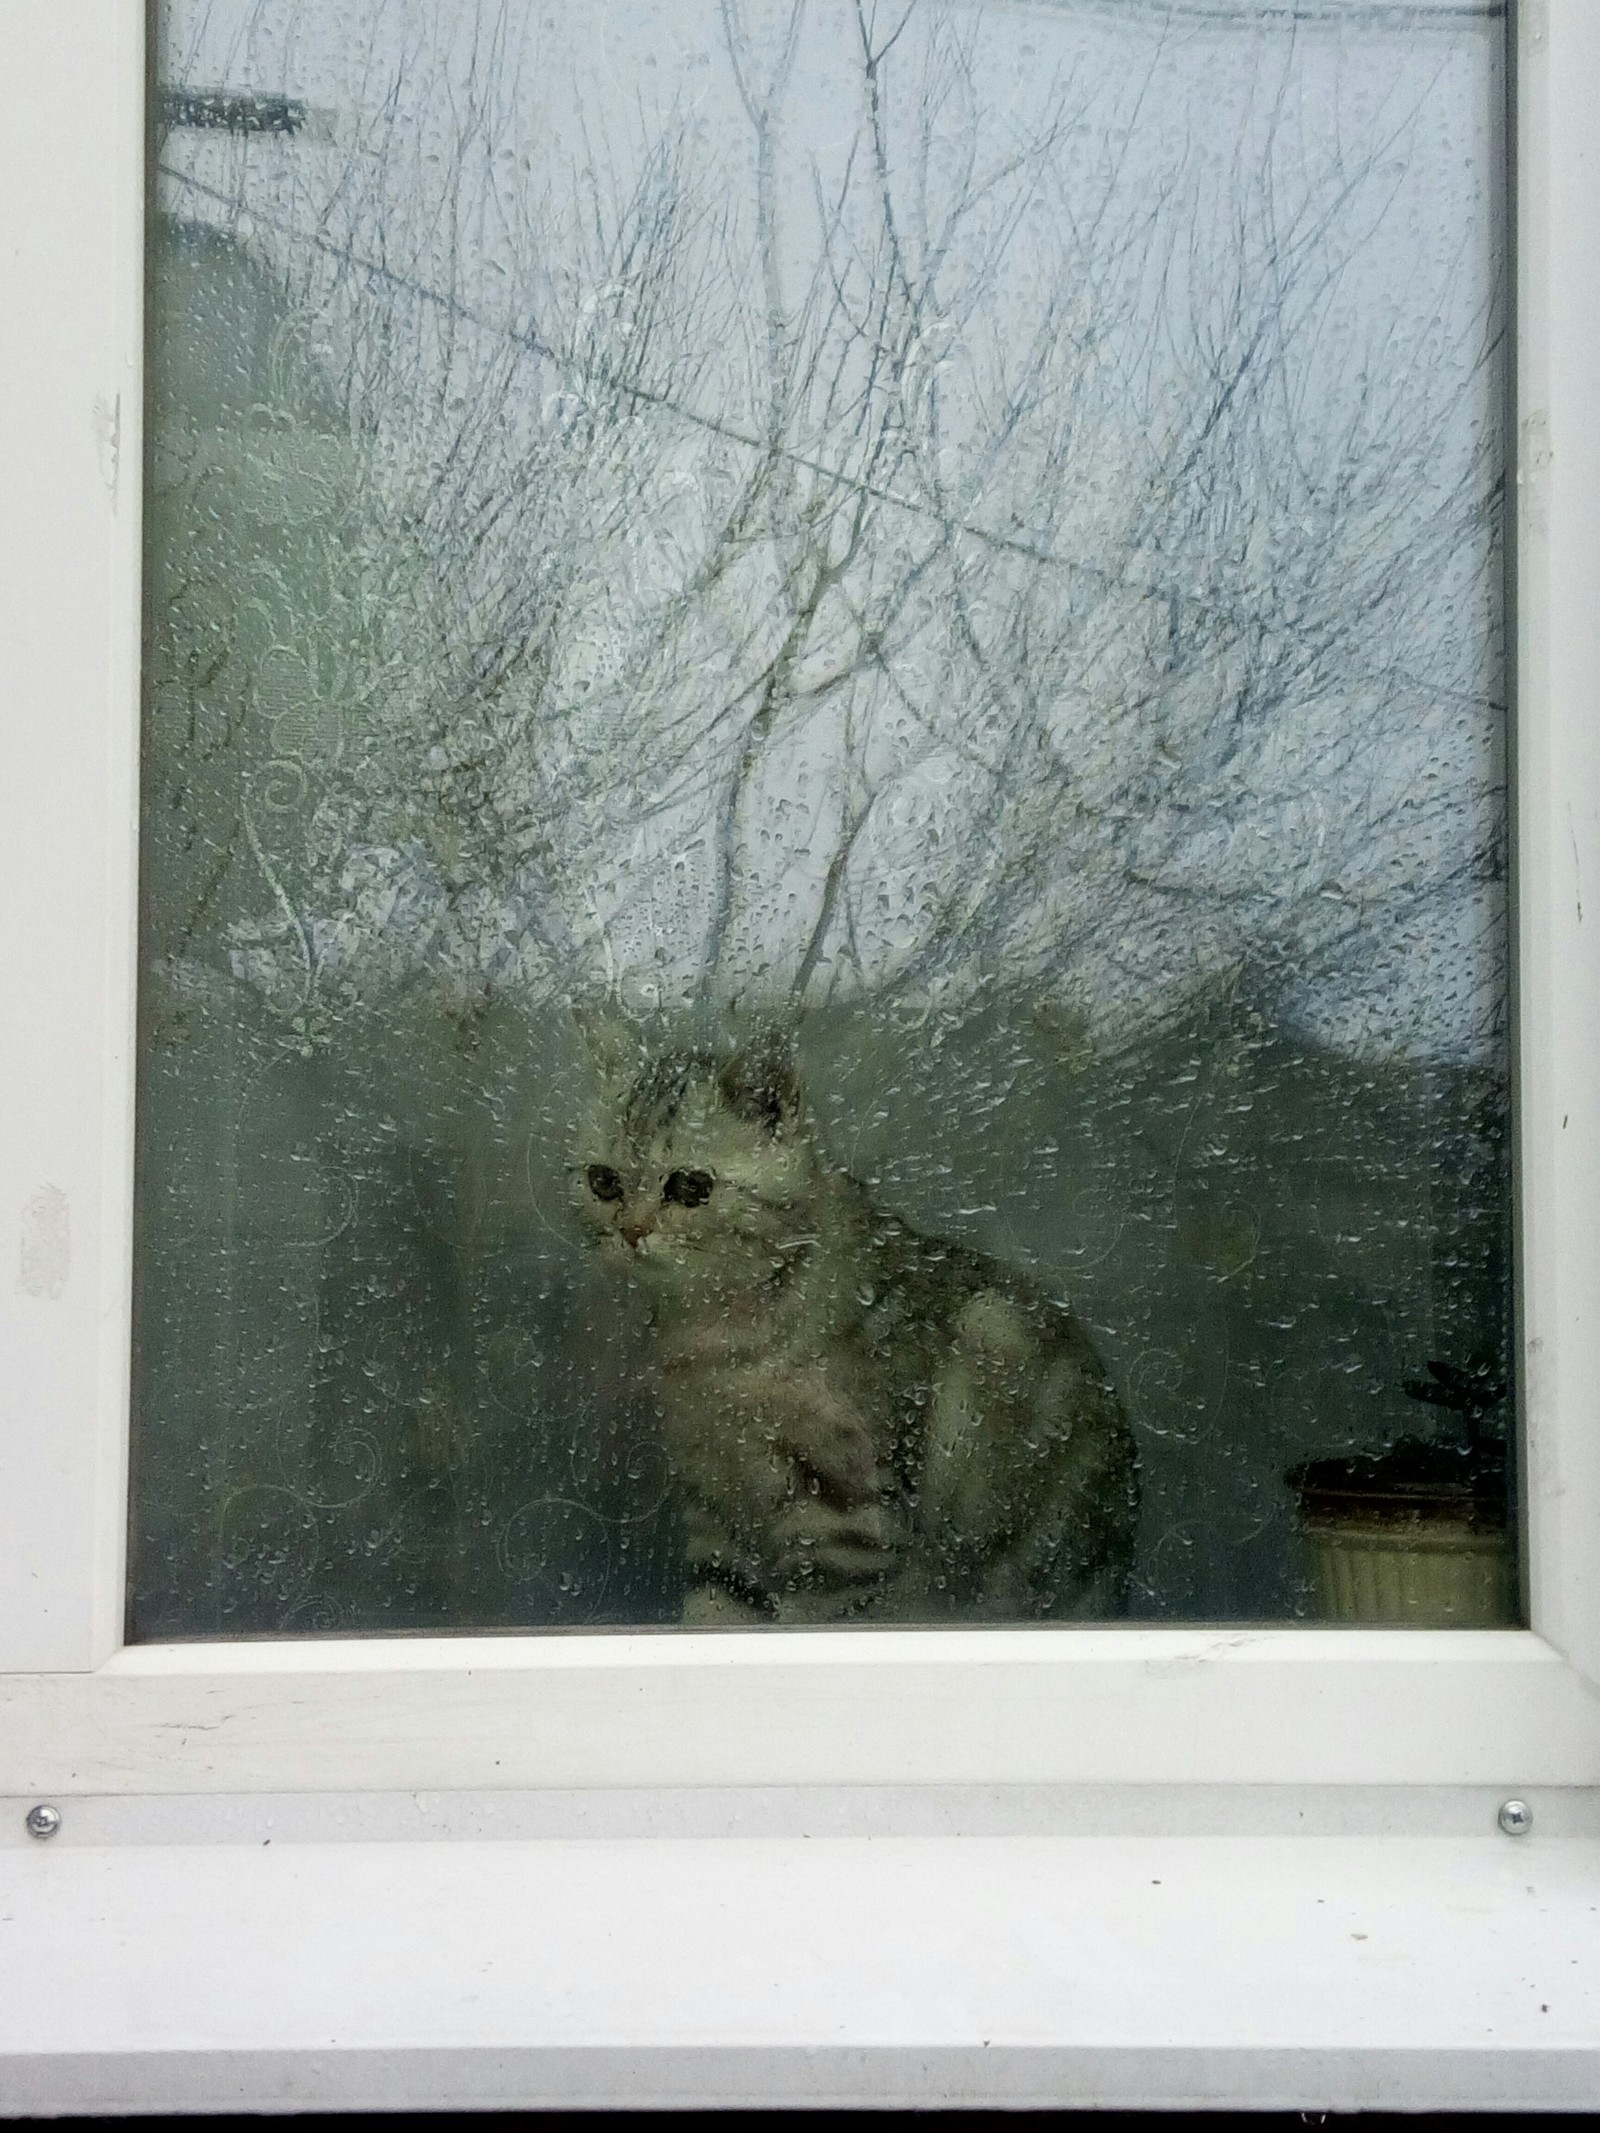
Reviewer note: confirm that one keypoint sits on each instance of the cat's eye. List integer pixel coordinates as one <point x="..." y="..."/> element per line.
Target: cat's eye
<point x="688" y="1188"/>
<point x="604" y="1182"/>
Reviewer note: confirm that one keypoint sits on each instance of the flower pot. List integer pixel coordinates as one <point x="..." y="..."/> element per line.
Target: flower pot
<point x="1410" y="1540"/>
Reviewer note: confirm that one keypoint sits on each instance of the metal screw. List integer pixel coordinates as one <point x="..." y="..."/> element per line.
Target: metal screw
<point x="43" y="1821"/>
<point x="1516" y="1817"/>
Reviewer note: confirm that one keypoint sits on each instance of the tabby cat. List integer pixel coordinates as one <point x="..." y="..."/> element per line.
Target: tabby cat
<point x="860" y="1420"/>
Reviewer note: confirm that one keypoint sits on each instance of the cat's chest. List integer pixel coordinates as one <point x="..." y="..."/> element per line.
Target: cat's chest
<point x="877" y="1341"/>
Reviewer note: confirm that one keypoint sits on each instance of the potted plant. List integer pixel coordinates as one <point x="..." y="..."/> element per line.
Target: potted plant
<point x="1418" y="1535"/>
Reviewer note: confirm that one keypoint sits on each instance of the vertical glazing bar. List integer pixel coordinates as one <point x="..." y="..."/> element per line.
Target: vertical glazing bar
<point x="71" y="232"/>
<point x="1558" y="792"/>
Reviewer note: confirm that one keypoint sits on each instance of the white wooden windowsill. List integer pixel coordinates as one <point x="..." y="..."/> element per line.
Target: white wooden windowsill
<point x="866" y="1948"/>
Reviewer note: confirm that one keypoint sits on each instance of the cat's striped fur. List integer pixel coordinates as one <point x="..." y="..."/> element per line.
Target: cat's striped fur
<point x="861" y="1420"/>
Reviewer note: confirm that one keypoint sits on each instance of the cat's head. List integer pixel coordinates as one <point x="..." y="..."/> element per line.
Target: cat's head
<point x="694" y="1170"/>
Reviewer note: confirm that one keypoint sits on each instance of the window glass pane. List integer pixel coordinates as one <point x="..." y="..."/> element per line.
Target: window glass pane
<point x="825" y="838"/>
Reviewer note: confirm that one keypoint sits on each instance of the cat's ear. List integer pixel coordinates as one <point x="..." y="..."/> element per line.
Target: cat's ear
<point x="761" y="1082"/>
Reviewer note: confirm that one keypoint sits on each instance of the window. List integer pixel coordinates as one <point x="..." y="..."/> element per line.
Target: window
<point x="824" y="821"/>
<point x="1161" y="1707"/>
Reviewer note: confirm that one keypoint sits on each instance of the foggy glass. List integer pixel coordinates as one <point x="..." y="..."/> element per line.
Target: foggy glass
<point x="824" y="909"/>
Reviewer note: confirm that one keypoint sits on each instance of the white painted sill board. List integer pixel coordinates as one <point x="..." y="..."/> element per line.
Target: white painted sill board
<point x="1316" y="1971"/>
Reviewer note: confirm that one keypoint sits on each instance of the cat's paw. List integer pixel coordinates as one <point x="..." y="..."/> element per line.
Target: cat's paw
<point x="822" y="1431"/>
<point x="715" y="1607"/>
<point x="813" y="1542"/>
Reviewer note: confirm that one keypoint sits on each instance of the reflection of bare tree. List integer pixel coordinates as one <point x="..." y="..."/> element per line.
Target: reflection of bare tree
<point x="962" y="551"/>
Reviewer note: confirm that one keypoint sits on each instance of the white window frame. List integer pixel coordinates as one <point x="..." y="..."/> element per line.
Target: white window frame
<point x="1173" y="1717"/>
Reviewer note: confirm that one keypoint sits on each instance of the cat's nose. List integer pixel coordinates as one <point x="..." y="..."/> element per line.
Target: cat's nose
<point x="633" y="1231"/>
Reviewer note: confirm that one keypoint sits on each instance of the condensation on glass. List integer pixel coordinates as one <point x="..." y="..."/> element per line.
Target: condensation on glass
<point x="824" y="817"/>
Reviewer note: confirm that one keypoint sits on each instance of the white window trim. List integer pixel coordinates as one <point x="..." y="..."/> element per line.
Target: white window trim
<point x="1167" y="1725"/>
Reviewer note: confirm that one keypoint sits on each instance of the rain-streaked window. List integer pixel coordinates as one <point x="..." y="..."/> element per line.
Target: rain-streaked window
<point x="825" y="927"/>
